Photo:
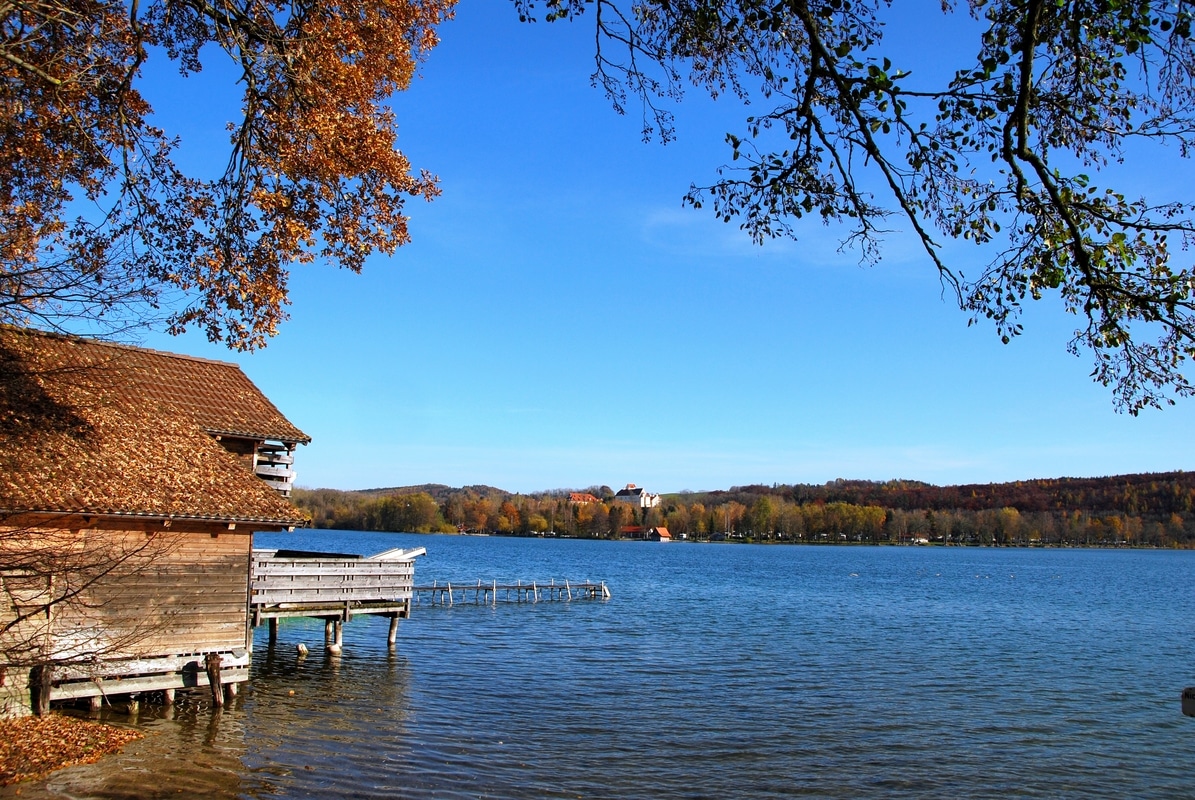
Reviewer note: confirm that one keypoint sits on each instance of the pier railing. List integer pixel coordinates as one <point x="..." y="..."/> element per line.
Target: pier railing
<point x="483" y="593"/>
<point x="287" y="583"/>
<point x="332" y="587"/>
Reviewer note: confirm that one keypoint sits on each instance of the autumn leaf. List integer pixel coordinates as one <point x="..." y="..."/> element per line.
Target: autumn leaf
<point x="31" y="747"/>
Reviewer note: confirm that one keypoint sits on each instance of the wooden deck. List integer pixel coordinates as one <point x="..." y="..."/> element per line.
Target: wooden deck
<point x="287" y="583"/>
<point x="331" y="586"/>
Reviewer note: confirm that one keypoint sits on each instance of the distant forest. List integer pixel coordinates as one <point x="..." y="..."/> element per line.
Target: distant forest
<point x="1151" y="510"/>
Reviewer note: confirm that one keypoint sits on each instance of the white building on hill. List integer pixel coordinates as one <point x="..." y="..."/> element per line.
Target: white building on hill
<point x="637" y="496"/>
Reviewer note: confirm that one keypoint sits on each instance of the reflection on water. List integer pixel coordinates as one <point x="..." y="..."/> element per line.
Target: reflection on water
<point x="315" y="717"/>
<point x="715" y="671"/>
<point x="299" y="722"/>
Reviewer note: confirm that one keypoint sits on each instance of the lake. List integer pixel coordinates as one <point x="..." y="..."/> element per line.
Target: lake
<point x="715" y="670"/>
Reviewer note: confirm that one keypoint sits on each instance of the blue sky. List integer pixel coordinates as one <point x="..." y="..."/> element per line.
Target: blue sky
<point x="560" y="320"/>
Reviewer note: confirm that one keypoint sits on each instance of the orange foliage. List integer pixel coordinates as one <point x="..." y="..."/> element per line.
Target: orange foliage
<point x="313" y="172"/>
<point x="30" y="747"/>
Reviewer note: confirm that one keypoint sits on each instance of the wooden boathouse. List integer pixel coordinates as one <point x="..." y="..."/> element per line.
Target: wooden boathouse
<point x="131" y="482"/>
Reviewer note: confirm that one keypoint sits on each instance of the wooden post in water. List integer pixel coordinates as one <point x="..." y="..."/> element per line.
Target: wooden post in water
<point x="393" y="636"/>
<point x="168" y="697"/>
<point x="329" y="626"/>
<point x="273" y="629"/>
<point x="211" y="665"/>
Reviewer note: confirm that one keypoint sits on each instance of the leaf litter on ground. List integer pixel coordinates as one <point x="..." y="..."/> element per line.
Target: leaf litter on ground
<point x="32" y="747"/>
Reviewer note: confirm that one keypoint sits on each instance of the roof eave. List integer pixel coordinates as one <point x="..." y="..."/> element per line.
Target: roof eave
<point x="147" y="516"/>
<point x="259" y="436"/>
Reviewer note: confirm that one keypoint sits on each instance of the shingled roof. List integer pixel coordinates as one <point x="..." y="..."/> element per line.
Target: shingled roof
<point x="91" y="427"/>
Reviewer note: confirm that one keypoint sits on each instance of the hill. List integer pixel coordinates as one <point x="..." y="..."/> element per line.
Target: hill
<point x="1153" y="509"/>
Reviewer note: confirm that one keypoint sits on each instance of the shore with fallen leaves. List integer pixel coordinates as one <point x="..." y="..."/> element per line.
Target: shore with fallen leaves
<point x="33" y="747"/>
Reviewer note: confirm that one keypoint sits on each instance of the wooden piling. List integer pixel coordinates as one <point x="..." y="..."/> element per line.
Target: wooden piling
<point x="211" y="665"/>
<point x="393" y="635"/>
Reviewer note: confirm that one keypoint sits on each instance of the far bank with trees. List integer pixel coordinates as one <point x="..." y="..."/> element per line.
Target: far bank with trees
<point x="1148" y="510"/>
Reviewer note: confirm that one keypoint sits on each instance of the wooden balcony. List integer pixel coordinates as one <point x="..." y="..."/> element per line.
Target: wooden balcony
<point x="273" y="464"/>
<point x="331" y="586"/>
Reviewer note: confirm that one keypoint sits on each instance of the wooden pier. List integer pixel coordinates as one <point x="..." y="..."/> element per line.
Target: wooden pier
<point x="482" y="593"/>
<point x="335" y="587"/>
<point x="331" y="586"/>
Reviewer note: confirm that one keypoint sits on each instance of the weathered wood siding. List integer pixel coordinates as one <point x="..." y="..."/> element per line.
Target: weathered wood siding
<point x="19" y="592"/>
<point x="129" y="599"/>
<point x="183" y="593"/>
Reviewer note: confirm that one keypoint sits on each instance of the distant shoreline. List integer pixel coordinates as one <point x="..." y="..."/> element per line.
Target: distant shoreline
<point x="787" y="543"/>
<point x="1145" y="510"/>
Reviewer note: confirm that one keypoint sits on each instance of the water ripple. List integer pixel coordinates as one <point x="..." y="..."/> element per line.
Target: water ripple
<point x="714" y="672"/>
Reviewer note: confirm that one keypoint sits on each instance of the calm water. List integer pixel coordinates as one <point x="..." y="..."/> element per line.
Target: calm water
<point x="714" y="671"/>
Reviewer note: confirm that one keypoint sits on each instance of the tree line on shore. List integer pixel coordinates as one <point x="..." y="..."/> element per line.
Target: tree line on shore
<point x="1128" y="510"/>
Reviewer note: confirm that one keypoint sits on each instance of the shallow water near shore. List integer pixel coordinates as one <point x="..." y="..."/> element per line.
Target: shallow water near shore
<point x="713" y="671"/>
